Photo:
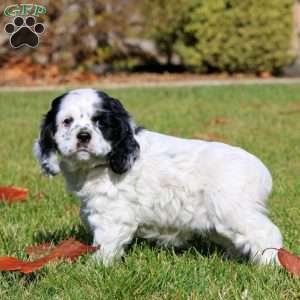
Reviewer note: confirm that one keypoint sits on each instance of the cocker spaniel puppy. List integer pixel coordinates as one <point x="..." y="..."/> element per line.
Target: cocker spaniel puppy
<point x="135" y="182"/>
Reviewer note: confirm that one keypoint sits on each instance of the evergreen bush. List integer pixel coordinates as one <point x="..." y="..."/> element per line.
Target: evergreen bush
<point x="236" y="36"/>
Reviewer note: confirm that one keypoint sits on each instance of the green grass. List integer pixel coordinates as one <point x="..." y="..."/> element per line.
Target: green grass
<point x="265" y="120"/>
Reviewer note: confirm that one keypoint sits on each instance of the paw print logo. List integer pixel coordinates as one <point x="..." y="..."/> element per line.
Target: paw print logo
<point x="24" y="33"/>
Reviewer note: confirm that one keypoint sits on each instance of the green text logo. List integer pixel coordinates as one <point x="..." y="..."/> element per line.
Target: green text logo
<point x="24" y="10"/>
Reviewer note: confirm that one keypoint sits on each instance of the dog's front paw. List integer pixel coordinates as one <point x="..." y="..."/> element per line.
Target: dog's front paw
<point x="107" y="258"/>
<point x="49" y="169"/>
<point x="49" y="163"/>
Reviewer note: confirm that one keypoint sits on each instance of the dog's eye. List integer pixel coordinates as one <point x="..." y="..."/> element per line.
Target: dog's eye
<point x="67" y="122"/>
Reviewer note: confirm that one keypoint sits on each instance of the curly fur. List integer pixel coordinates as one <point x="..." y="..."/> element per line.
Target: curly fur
<point x="134" y="182"/>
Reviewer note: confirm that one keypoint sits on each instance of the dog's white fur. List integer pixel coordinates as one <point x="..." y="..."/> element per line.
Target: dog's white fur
<point x="176" y="189"/>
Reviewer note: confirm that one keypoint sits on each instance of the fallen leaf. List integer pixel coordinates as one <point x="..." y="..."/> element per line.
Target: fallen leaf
<point x="70" y="250"/>
<point x="10" y="264"/>
<point x="13" y="194"/>
<point x="217" y="120"/>
<point x="207" y="136"/>
<point x="38" y="251"/>
<point x="289" y="261"/>
<point x="220" y="120"/>
<point x="39" y="196"/>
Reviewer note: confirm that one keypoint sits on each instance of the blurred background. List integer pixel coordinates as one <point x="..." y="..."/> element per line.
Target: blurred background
<point x="87" y="41"/>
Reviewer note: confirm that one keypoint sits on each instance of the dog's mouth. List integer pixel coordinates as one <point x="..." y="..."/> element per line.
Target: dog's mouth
<point x="82" y="150"/>
<point x="82" y="154"/>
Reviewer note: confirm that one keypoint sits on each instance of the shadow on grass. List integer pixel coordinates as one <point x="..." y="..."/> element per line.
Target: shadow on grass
<point x="79" y="232"/>
<point x="198" y="246"/>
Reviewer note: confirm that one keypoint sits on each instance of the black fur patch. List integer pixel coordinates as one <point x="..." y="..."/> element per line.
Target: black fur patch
<point x="138" y="129"/>
<point x="48" y="128"/>
<point x="114" y="122"/>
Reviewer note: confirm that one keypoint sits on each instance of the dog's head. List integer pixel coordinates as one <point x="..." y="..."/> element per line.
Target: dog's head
<point x="87" y="127"/>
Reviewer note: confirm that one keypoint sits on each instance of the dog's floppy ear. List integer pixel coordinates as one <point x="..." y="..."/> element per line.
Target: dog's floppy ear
<point x="45" y="147"/>
<point x="119" y="129"/>
<point x="125" y="151"/>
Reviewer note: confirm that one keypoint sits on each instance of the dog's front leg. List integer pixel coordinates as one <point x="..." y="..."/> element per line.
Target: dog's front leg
<point x="111" y="235"/>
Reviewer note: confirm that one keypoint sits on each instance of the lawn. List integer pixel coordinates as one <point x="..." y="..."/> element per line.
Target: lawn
<point x="265" y="120"/>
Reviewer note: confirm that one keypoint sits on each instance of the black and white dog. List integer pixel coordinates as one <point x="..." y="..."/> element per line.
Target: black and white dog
<point x="134" y="182"/>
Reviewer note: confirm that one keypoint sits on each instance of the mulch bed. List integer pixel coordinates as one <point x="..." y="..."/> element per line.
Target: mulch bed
<point x="24" y="73"/>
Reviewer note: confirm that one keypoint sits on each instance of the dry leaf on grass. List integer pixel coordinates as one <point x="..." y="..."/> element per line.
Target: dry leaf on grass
<point x="13" y="194"/>
<point x="289" y="261"/>
<point x="220" y="120"/>
<point x="70" y="250"/>
<point x="39" y="196"/>
<point x="207" y="136"/>
<point x="38" y="251"/>
<point x="217" y="120"/>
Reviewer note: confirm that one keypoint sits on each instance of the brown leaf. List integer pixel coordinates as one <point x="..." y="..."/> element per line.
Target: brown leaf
<point x="70" y="249"/>
<point x="13" y="194"/>
<point x="220" y="120"/>
<point x="289" y="261"/>
<point x="207" y="136"/>
<point x="217" y="120"/>
<point x="39" y="196"/>
<point x="38" y="251"/>
<point x="10" y="264"/>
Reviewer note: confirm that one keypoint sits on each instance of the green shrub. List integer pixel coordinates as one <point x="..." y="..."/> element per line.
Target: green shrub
<point x="236" y="36"/>
<point x="162" y="21"/>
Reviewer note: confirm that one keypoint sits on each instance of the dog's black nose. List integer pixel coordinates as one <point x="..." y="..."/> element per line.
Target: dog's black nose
<point x="83" y="137"/>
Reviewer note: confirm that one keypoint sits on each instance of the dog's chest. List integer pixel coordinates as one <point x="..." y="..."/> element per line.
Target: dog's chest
<point x="160" y="206"/>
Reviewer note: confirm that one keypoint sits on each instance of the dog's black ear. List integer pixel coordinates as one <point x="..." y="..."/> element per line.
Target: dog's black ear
<point x="125" y="151"/>
<point x="119" y="129"/>
<point x="45" y="147"/>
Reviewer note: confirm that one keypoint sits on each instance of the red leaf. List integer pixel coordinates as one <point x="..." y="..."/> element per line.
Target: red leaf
<point x="10" y="264"/>
<point x="13" y="194"/>
<point x="289" y="261"/>
<point x="38" y="251"/>
<point x="67" y="250"/>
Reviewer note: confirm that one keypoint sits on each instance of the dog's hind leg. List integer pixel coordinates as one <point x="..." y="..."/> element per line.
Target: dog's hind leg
<point x="253" y="235"/>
